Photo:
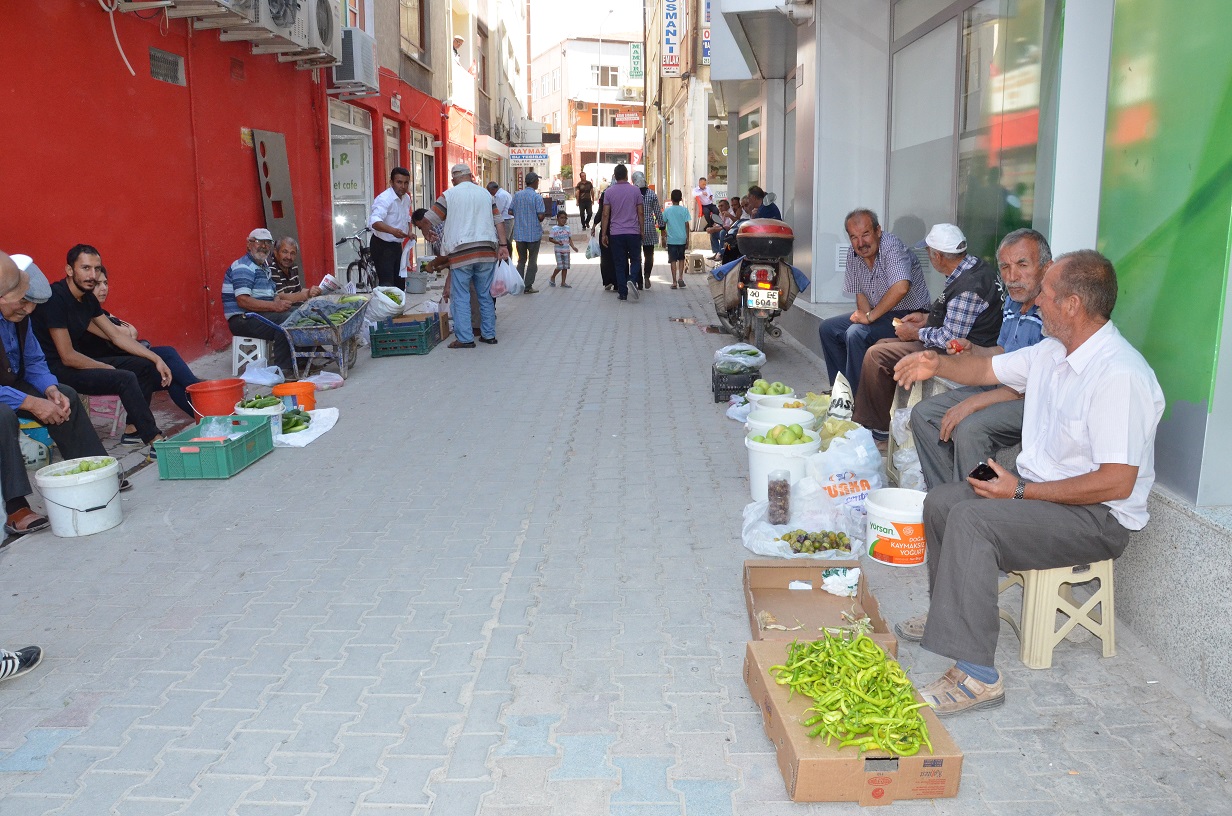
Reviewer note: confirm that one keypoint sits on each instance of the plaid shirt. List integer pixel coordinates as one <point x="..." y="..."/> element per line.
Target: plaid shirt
<point x="527" y="205"/>
<point x="894" y="263"/>
<point x="960" y="313"/>
<point x="652" y="218"/>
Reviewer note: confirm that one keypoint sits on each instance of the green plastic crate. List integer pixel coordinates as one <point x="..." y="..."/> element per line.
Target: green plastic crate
<point x="181" y="458"/>
<point x="390" y="339"/>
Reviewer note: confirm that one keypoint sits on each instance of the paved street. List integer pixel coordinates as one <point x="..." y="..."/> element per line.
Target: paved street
<point x="507" y="583"/>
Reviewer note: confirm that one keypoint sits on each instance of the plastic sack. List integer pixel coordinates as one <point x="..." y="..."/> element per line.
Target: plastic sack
<point x="506" y="280"/>
<point x="817" y="404"/>
<point x="325" y="381"/>
<point x="408" y="259"/>
<point x="900" y="428"/>
<point x="386" y="302"/>
<point x="593" y="248"/>
<point x="258" y="373"/>
<point x="739" y="408"/>
<point x="849" y="470"/>
<point x="738" y="358"/>
<point x="832" y="429"/>
<point x="842" y="400"/>
<point x="323" y="419"/>
<point x="811" y="512"/>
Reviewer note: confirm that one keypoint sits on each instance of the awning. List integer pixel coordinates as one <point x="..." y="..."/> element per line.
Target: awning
<point x="492" y="148"/>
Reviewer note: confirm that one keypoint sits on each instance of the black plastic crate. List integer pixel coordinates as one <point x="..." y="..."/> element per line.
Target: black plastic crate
<point x="725" y="385"/>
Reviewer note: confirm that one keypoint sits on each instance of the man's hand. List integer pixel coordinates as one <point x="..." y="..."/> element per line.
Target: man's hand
<point x="282" y="306"/>
<point x="859" y="317"/>
<point x="47" y="411"/>
<point x="1001" y="487"/>
<point x="959" y="345"/>
<point x="907" y="331"/>
<point x="957" y="414"/>
<point x="915" y="368"/>
<point x="314" y="291"/>
<point x="603" y="238"/>
<point x="164" y="373"/>
<point x="914" y="319"/>
<point x="502" y="253"/>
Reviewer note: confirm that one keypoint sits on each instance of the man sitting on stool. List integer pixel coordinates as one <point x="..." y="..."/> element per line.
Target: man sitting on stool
<point x="248" y="286"/>
<point x="1091" y="408"/>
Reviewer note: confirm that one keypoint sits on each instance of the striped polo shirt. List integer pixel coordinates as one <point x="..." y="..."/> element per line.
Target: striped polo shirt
<point x="245" y="277"/>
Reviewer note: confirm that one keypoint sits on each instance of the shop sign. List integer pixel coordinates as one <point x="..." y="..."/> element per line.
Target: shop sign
<point x="669" y="61"/>
<point x="705" y="46"/>
<point x="637" y="60"/>
<point x="628" y="118"/>
<point x="348" y="168"/>
<point x="536" y="156"/>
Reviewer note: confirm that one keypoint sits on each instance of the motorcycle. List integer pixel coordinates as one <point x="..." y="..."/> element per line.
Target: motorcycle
<point x="750" y="292"/>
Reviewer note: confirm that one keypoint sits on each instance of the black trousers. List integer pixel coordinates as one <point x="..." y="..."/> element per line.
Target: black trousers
<point x="134" y="380"/>
<point x="647" y="262"/>
<point x="586" y="209"/>
<point x="74" y="438"/>
<point x="387" y="257"/>
<point x="251" y="327"/>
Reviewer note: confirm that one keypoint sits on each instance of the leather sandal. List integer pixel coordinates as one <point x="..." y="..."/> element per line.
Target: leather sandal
<point x="956" y="691"/>
<point x="912" y="629"/>
<point x="25" y="521"/>
<point x="491" y="341"/>
<point x="460" y="344"/>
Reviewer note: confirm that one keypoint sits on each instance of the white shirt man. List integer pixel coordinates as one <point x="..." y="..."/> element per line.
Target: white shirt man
<point x="390" y="222"/>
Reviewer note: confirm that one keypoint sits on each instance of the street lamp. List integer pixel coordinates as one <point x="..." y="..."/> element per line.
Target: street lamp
<point x="599" y="82"/>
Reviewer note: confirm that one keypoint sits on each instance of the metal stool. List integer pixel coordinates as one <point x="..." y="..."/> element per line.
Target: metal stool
<point x="107" y="408"/>
<point x="1047" y="592"/>
<point x="245" y="350"/>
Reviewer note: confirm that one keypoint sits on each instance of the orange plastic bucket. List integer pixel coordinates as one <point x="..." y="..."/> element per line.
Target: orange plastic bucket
<point x="305" y="394"/>
<point x="215" y="397"/>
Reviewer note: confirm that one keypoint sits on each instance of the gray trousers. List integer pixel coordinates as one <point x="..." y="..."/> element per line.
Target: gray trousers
<point x="971" y="540"/>
<point x="528" y="261"/>
<point x="976" y="439"/>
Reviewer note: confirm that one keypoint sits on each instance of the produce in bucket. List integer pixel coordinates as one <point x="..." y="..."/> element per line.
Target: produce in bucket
<point x="87" y="466"/>
<point x="763" y="388"/>
<point x="860" y="696"/>
<point x="809" y="543"/>
<point x="783" y="435"/>
<point x="261" y="401"/>
<point x="295" y="420"/>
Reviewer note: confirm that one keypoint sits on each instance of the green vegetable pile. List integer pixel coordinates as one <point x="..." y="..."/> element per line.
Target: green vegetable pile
<point x="860" y="697"/>
<point x="352" y="299"/>
<point x="295" y="420"/>
<point x="803" y="542"/>
<point x="87" y="466"/>
<point x="261" y="401"/>
<point x="312" y="319"/>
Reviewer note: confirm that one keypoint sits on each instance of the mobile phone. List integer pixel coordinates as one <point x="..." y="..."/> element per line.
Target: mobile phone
<point x="983" y="472"/>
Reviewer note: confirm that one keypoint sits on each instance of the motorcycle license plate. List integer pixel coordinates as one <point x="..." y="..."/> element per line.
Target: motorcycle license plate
<point x="762" y="298"/>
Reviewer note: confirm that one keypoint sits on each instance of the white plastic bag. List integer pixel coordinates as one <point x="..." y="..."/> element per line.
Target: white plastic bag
<point x="739" y="408"/>
<point x="738" y="358"/>
<point x="842" y="400"/>
<point x="408" y="259"/>
<point x="322" y="420"/>
<point x="809" y="512"/>
<point x="506" y="280"/>
<point x="593" y="248"/>
<point x="900" y="427"/>
<point x="849" y="470"/>
<point x="258" y="373"/>
<point x="382" y="306"/>
<point x="325" y="380"/>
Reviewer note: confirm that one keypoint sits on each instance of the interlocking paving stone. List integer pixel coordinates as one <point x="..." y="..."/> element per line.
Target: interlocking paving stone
<point x="643" y="780"/>
<point x="584" y="757"/>
<point x="527" y="735"/>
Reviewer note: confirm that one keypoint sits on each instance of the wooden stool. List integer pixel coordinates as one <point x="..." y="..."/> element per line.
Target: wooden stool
<point x="1046" y="592"/>
<point x="245" y="350"/>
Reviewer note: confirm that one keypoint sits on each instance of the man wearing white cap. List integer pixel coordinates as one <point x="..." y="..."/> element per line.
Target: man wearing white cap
<point x="969" y="307"/>
<point x="29" y="390"/>
<point x="473" y="236"/>
<point x="248" y="286"/>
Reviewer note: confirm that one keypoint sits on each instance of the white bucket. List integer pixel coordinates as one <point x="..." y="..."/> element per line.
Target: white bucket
<point x="757" y="398"/>
<point x="763" y="419"/>
<point x="764" y="458"/>
<point x="81" y="504"/>
<point x="778" y="400"/>
<point x="896" y="526"/>
<point x="274" y="412"/>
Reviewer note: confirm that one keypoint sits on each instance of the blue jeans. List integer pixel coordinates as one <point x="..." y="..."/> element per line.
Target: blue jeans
<point x="460" y="278"/>
<point x="181" y="377"/>
<point x="627" y="258"/>
<point x="843" y="343"/>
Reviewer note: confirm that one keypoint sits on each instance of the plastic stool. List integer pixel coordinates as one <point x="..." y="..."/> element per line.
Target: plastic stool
<point x="245" y="350"/>
<point x="1047" y="592"/>
<point x="107" y="408"/>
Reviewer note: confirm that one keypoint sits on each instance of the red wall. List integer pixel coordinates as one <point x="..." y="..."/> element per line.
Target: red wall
<point x="153" y="174"/>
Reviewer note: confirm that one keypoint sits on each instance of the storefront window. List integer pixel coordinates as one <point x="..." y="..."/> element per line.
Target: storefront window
<point x="423" y="169"/>
<point x="748" y="149"/>
<point x="393" y="135"/>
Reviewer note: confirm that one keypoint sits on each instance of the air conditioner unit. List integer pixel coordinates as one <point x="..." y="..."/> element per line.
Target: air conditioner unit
<point x="630" y="93"/>
<point x="215" y="13"/>
<point x="280" y="26"/>
<point x="356" y="73"/>
<point x="583" y="106"/>
<point x="324" y="36"/>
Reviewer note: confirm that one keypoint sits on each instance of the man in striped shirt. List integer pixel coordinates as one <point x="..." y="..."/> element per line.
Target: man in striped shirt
<point x="956" y="430"/>
<point x="886" y="278"/>
<point x="248" y="286"/>
<point x="969" y="307"/>
<point x="288" y="283"/>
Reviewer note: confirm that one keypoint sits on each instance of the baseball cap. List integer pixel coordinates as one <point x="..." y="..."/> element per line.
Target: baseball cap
<point x="532" y="178"/>
<point x="260" y="235"/>
<point x="639" y="179"/>
<point x="40" y="289"/>
<point x="944" y="238"/>
<point x="460" y="169"/>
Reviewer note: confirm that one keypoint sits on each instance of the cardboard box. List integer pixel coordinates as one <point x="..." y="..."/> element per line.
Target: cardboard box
<point x="815" y="772"/>
<point x="766" y="588"/>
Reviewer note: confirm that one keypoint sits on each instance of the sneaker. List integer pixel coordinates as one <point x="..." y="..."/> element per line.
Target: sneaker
<point x="131" y="440"/>
<point x="530" y="290"/>
<point x="912" y="629"/>
<point x="623" y="299"/>
<point x="15" y="664"/>
<point x="151" y="454"/>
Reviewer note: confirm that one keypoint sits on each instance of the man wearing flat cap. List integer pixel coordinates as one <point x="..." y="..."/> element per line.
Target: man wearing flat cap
<point x="473" y="237"/>
<point x="248" y="286"/>
<point x="969" y="307"/>
<point x="29" y="391"/>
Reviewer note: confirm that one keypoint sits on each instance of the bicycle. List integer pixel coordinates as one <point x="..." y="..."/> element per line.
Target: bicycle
<point x="362" y="271"/>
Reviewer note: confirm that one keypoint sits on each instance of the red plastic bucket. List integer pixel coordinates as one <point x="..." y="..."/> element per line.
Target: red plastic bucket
<point x="215" y="397"/>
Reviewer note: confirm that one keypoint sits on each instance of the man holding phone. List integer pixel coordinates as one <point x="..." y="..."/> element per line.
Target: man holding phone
<point x="958" y="429"/>
<point x="1092" y="404"/>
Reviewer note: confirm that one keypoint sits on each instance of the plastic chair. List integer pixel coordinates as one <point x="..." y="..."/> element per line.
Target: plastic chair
<point x="1047" y="592"/>
<point x="245" y="350"/>
<point x="107" y="408"/>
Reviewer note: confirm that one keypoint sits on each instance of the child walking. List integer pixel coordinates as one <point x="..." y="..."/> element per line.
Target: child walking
<point x="562" y="242"/>
<point x="676" y="238"/>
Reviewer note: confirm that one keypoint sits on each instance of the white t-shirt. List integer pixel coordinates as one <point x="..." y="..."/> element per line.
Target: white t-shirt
<point x="392" y="211"/>
<point x="704" y="195"/>
<point x="503" y="199"/>
<point x="1100" y="405"/>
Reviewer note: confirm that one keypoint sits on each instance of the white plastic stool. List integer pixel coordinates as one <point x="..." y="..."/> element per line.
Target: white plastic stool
<point x="1047" y="592"/>
<point x="245" y="350"/>
<point x="107" y="408"/>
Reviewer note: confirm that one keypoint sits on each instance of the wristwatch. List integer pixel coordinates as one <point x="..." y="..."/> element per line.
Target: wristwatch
<point x="1020" y="489"/>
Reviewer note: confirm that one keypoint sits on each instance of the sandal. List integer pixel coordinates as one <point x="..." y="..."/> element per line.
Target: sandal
<point x="460" y="344"/>
<point x="956" y="691"/>
<point x="25" y="521"/>
<point x="912" y="629"/>
<point x="674" y="286"/>
<point x="491" y="341"/>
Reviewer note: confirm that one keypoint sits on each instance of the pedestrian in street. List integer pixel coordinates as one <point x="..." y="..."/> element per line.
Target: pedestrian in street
<point x="607" y="269"/>
<point x="652" y="224"/>
<point x="504" y="200"/>
<point x="562" y="244"/>
<point x="676" y="237"/>
<point x="622" y="230"/>
<point x="528" y="214"/>
<point x="390" y="222"/>
<point x="473" y="236"/>
<point x="584" y="191"/>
